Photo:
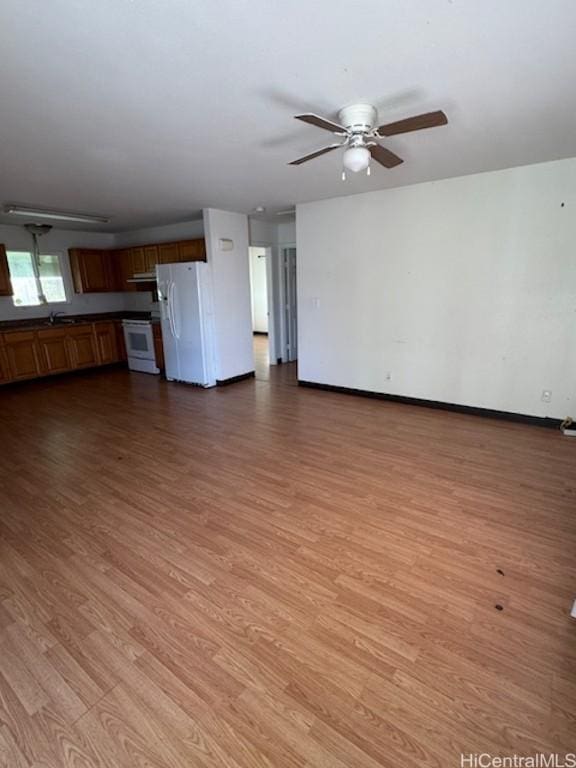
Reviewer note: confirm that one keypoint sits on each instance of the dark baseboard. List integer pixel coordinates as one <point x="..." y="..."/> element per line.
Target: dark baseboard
<point x="260" y="333"/>
<point x="234" y="379"/>
<point x="540" y="421"/>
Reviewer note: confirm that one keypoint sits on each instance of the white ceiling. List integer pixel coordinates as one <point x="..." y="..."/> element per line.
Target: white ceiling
<point x="149" y="110"/>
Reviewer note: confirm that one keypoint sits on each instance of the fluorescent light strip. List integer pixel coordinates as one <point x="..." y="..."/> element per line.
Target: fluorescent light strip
<point x="37" y="213"/>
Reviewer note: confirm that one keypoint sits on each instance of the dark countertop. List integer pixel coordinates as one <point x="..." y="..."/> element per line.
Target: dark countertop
<point x="35" y="323"/>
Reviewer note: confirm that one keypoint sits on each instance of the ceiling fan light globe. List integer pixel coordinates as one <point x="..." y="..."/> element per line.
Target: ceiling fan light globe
<point x="356" y="159"/>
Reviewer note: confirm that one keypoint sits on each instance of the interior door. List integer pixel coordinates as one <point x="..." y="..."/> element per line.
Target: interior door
<point x="290" y="351"/>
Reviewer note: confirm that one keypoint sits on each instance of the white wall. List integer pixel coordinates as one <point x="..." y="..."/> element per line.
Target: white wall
<point x="231" y="292"/>
<point x="58" y="241"/>
<point x="259" y="289"/>
<point x="185" y="230"/>
<point x="287" y="232"/>
<point x="463" y="290"/>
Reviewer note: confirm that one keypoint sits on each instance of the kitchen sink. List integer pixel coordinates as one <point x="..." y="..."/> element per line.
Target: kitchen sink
<point x="61" y="321"/>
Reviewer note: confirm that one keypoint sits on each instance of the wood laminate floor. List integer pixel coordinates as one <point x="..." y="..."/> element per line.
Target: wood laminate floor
<point x="263" y="575"/>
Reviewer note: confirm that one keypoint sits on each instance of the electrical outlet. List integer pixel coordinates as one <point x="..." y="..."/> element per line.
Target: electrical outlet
<point x="546" y="395"/>
<point x="387" y="376"/>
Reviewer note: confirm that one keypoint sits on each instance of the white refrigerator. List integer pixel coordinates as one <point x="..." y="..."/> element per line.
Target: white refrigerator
<point x="185" y="298"/>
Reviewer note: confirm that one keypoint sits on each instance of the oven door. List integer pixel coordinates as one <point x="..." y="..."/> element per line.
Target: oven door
<point x="139" y="341"/>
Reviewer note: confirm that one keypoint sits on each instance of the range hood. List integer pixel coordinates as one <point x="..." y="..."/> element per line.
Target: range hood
<point x="143" y="277"/>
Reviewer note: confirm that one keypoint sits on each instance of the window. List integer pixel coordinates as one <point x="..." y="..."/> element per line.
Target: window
<point x="36" y="283"/>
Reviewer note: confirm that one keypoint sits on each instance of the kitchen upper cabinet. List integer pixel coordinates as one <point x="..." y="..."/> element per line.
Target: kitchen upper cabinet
<point x="93" y="270"/>
<point x="150" y="258"/>
<point x="98" y="271"/>
<point x="53" y="349"/>
<point x="124" y="264"/>
<point x="83" y="348"/>
<point x="106" y="343"/>
<point x="138" y="261"/>
<point x="168" y="253"/>
<point x="5" y="282"/>
<point x="192" y="250"/>
<point x="22" y="354"/>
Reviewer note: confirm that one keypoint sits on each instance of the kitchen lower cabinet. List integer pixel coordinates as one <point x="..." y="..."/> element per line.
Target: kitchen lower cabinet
<point x="54" y="350"/>
<point x="30" y="354"/>
<point x="158" y="345"/>
<point x="5" y="374"/>
<point x="106" y="343"/>
<point x="83" y="347"/>
<point x="120" y="343"/>
<point x="22" y="354"/>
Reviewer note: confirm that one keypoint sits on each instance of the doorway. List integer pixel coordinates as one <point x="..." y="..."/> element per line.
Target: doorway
<point x="259" y="259"/>
<point x="274" y="306"/>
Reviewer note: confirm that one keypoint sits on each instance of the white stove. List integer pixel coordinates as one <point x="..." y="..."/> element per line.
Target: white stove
<point x="140" y="346"/>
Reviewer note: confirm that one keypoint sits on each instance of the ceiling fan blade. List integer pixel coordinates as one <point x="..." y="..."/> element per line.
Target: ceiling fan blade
<point x="416" y="123"/>
<point x="320" y="122"/>
<point x="312" y="155"/>
<point x="384" y="156"/>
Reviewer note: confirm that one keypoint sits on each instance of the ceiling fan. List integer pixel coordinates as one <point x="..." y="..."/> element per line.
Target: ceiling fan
<point x="359" y="134"/>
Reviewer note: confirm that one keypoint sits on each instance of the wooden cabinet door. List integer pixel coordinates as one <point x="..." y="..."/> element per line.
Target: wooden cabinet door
<point x="22" y="354"/>
<point x="192" y="250"/>
<point x="150" y="258"/>
<point x="106" y="343"/>
<point x="123" y="260"/>
<point x="168" y="253"/>
<point x="83" y="349"/>
<point x="5" y="282"/>
<point x="120" y="342"/>
<point x="5" y="372"/>
<point x="54" y="350"/>
<point x="92" y="270"/>
<point x="158" y="345"/>
<point x="138" y="261"/>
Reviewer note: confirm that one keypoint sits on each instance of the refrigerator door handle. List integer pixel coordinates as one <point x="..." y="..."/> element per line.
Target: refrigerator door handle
<point x="175" y="312"/>
<point x="170" y="312"/>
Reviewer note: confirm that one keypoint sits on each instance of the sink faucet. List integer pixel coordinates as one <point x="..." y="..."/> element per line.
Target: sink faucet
<point x="53" y="316"/>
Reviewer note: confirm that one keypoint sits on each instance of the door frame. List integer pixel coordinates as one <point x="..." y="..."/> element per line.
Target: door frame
<point x="288" y="311"/>
<point x="273" y="299"/>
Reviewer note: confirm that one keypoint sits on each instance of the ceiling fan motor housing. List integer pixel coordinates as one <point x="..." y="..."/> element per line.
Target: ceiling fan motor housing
<point x="358" y="118"/>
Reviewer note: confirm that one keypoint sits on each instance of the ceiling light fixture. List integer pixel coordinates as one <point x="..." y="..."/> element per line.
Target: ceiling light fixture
<point x="356" y="159"/>
<point x="39" y="213"/>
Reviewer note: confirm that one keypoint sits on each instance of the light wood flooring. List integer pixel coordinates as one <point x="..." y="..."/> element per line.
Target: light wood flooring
<point x="263" y="575"/>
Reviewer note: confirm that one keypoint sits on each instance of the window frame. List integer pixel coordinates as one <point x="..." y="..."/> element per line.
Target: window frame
<point x="64" y="272"/>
